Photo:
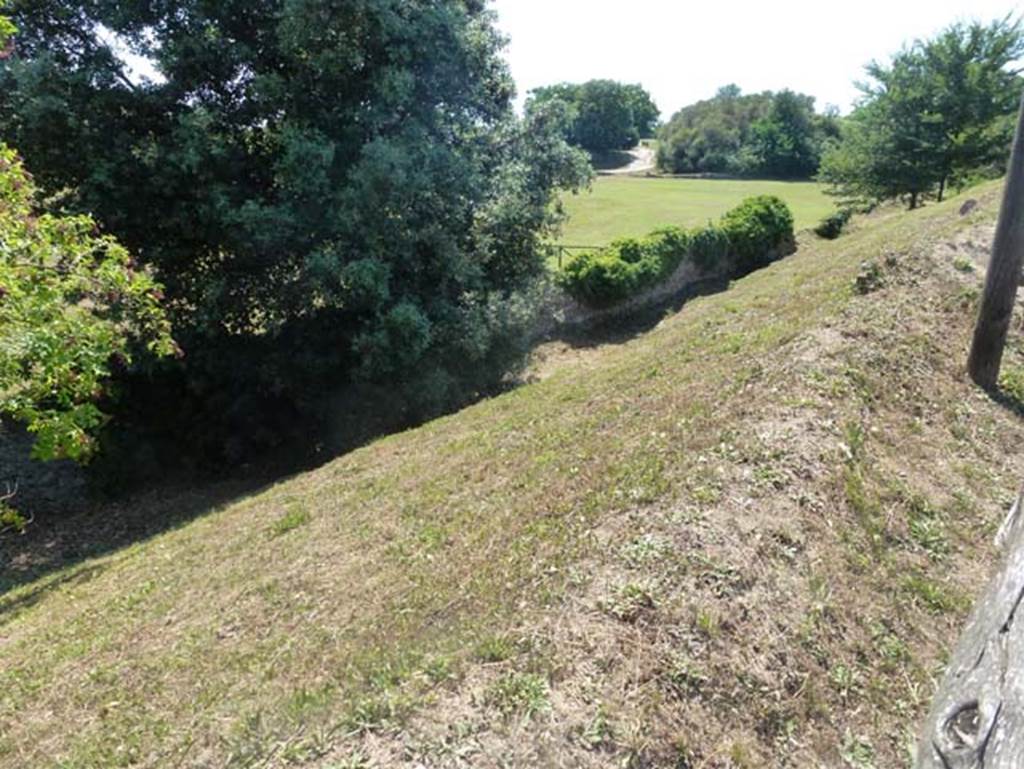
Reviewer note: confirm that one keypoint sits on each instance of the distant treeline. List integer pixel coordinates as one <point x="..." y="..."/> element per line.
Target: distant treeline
<point x="778" y="135"/>
<point x="603" y="115"/>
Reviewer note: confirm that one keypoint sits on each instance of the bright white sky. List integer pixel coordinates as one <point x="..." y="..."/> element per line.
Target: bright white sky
<point x="682" y="52"/>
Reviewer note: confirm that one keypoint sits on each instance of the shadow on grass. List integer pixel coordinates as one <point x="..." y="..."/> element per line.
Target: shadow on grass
<point x="1008" y="398"/>
<point x="611" y="160"/>
<point x="28" y="599"/>
<point x="618" y="329"/>
<point x="71" y="542"/>
<point x="56" y="542"/>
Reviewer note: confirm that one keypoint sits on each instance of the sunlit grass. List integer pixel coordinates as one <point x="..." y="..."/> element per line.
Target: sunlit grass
<point x="631" y="206"/>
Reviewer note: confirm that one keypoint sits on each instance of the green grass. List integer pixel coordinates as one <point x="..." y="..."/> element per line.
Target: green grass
<point x="508" y="571"/>
<point x="631" y="206"/>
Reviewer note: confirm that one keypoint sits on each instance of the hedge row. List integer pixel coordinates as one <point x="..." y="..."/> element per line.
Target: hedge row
<point x="749" y="236"/>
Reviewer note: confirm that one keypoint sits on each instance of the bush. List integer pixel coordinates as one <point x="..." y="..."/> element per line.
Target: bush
<point x="756" y="229"/>
<point x="599" y="278"/>
<point x="750" y="235"/>
<point x="831" y="227"/>
<point x="607" y="277"/>
<point x="709" y="246"/>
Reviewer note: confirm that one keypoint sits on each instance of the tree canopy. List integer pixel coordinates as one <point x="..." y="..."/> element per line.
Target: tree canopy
<point x="329" y="192"/>
<point x="766" y="134"/>
<point x="604" y="115"/>
<point x="73" y="309"/>
<point x="940" y="111"/>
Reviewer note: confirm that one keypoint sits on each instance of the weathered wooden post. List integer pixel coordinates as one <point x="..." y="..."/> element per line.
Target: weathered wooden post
<point x="1003" y="273"/>
<point x="977" y="719"/>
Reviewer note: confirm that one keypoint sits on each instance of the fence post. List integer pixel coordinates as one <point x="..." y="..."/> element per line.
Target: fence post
<point x="1004" y="272"/>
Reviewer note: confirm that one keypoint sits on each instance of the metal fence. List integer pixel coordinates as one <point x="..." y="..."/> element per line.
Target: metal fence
<point x="560" y="252"/>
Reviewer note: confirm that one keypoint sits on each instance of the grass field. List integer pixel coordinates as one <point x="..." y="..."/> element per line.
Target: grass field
<point x="752" y="531"/>
<point x="630" y="206"/>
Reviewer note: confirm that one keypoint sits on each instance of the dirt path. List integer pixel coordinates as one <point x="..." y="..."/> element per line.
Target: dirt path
<point x="643" y="161"/>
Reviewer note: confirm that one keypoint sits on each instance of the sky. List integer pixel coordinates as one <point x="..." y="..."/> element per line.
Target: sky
<point x="682" y="52"/>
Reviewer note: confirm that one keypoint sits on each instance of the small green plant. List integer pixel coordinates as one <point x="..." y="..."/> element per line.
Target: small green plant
<point x="869" y="279"/>
<point x="845" y="680"/>
<point x="890" y="647"/>
<point x="934" y="598"/>
<point x="524" y="694"/>
<point x="11" y="519"/>
<point x="599" y="731"/>
<point x="930" y="535"/>
<point x="685" y="679"/>
<point x="831" y="227"/>
<point x="853" y="434"/>
<point x="495" y="649"/>
<point x="630" y="601"/>
<point x="709" y="623"/>
<point x="857" y="752"/>
<point x="439" y="670"/>
<point x="371" y="714"/>
<point x="963" y="264"/>
<point x="293" y="519"/>
<point x="1011" y="382"/>
<point x="645" y="549"/>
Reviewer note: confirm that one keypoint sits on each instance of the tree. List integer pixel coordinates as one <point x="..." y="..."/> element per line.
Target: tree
<point x="887" y="150"/>
<point x="767" y="134"/>
<point x="784" y="142"/>
<point x="73" y="311"/>
<point x="939" y="111"/>
<point x="72" y="307"/>
<point x="645" y="111"/>
<point x="605" y="115"/>
<point x="331" y="192"/>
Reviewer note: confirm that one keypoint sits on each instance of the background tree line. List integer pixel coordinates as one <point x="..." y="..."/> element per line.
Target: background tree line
<point x="603" y="115"/>
<point x="777" y="135"/>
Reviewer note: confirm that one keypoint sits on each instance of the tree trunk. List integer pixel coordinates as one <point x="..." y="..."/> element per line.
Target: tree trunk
<point x="977" y="719"/>
<point x="913" y="200"/>
<point x="942" y="188"/>
<point x="1003" y="273"/>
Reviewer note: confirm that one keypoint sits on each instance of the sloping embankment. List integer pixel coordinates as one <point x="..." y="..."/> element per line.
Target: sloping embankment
<point x="744" y="539"/>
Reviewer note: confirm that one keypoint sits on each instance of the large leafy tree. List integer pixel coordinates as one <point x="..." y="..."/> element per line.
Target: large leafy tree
<point x="605" y="115"/>
<point x="645" y="112"/>
<point x="941" y="110"/>
<point x="73" y="308"/>
<point x="764" y="134"/>
<point x="786" y="143"/>
<point x="329" y="190"/>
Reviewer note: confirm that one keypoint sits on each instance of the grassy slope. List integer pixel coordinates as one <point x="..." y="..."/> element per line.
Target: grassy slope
<point x="744" y="539"/>
<point x="632" y="206"/>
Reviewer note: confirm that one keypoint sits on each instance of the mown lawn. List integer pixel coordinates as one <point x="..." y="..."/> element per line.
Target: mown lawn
<point x="630" y="206"/>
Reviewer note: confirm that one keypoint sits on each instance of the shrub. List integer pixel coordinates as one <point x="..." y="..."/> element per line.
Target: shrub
<point x="607" y="277"/>
<point x="749" y="235"/>
<point x="598" y="278"/>
<point x="757" y="229"/>
<point x="831" y="227"/>
<point x="709" y="246"/>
